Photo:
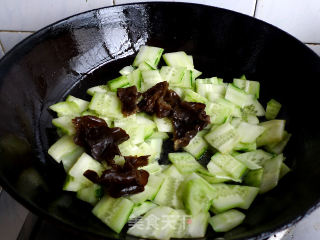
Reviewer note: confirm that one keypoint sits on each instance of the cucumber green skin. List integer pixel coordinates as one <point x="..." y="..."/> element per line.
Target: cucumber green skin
<point x="254" y="178"/>
<point x="91" y="194"/>
<point x="226" y="221"/>
<point x="273" y="108"/>
<point x="141" y="209"/>
<point x="271" y="174"/>
<point x="119" y="82"/>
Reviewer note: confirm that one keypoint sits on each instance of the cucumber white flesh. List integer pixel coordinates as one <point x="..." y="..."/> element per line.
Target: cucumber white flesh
<point x="106" y="104"/>
<point x="211" y="91"/>
<point x="250" y="118"/>
<point x="226" y="221"/>
<point x="84" y="163"/>
<point x="135" y="78"/>
<point x="229" y="164"/>
<point x="284" y="170"/>
<point x="91" y="113"/>
<point x="178" y="91"/>
<point x="271" y="173"/>
<point x="120" y="82"/>
<point x="191" y="96"/>
<point x="186" y="81"/>
<point x="255" y="159"/>
<point x="249" y="132"/>
<point x="232" y="196"/>
<point x="126" y="70"/>
<point x="163" y="124"/>
<point x="70" y="158"/>
<point x="245" y="147"/>
<point x="141" y="209"/>
<point x="184" y="162"/>
<point x="250" y="87"/>
<point x="152" y="168"/>
<point x="65" y="124"/>
<point x="197" y="225"/>
<point x="82" y="104"/>
<point x="253" y="178"/>
<point x="274" y="131"/>
<point x="159" y="229"/>
<point x="91" y="194"/>
<point x="219" y="111"/>
<point x="273" y="108"/>
<point x="66" y="109"/>
<point x="161" y="135"/>
<point x="150" y="190"/>
<point x="215" y="175"/>
<point x="148" y="54"/>
<point x="178" y="59"/>
<point x="62" y="147"/>
<point x="109" y="121"/>
<point x="196" y="196"/>
<point x="194" y="74"/>
<point x="156" y="145"/>
<point x="114" y="212"/>
<point x="278" y="147"/>
<point x="223" y="138"/>
<point x="144" y="66"/>
<point x="100" y="89"/>
<point x="254" y="108"/>
<point x="149" y="79"/>
<point x="173" y="75"/>
<point x="238" y="96"/>
<point x="119" y="160"/>
<point x="197" y="147"/>
<point x="213" y="80"/>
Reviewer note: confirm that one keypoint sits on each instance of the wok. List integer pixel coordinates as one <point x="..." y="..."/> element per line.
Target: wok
<point x="88" y="49"/>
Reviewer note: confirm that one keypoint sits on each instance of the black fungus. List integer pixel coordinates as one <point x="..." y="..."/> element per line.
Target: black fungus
<point x="128" y="97"/>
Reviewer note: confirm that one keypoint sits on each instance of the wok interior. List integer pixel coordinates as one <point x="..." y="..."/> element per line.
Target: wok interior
<point x="89" y="49"/>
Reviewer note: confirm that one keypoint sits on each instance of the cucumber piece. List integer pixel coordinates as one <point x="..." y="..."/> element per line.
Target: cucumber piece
<point x="91" y="194"/>
<point x="62" y="147"/>
<point x="173" y="75"/>
<point x="126" y="70"/>
<point x="229" y="164"/>
<point x="156" y="145"/>
<point x="284" y="170"/>
<point x="195" y="73"/>
<point x="84" y="163"/>
<point x="184" y="162"/>
<point x="149" y="79"/>
<point x="274" y="131"/>
<point x="145" y="66"/>
<point x="100" y="89"/>
<point x="248" y="132"/>
<point x="114" y="212"/>
<point x="141" y="209"/>
<point x="273" y="108"/>
<point x="66" y="109"/>
<point x="65" y="124"/>
<point x="163" y="124"/>
<point x="197" y="225"/>
<point x="161" y="135"/>
<point x="86" y="113"/>
<point x="254" y="108"/>
<point x="153" y="225"/>
<point x="215" y="175"/>
<point x="226" y="221"/>
<point x="120" y="82"/>
<point x="250" y="118"/>
<point x="211" y="91"/>
<point x="82" y="104"/>
<point x="150" y="190"/>
<point x="278" y="147"/>
<point x="271" y="173"/>
<point x="191" y="96"/>
<point x="148" y="54"/>
<point x="250" y="87"/>
<point x="219" y="111"/>
<point x="152" y="168"/>
<point x="179" y="91"/>
<point x="226" y="197"/>
<point x="223" y="138"/>
<point x="197" y="147"/>
<point x="254" y="178"/>
<point x="213" y="80"/>
<point x="238" y="96"/>
<point x="255" y="159"/>
<point x="135" y="78"/>
<point x="106" y="104"/>
<point x="245" y="147"/>
<point x="70" y="158"/>
<point x="178" y="59"/>
<point x="186" y="81"/>
<point x="196" y="196"/>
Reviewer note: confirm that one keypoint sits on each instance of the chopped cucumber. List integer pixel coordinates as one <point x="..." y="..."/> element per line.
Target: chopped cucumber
<point x="66" y="109"/>
<point x="91" y="194"/>
<point x="226" y="221"/>
<point x="250" y="87"/>
<point x="254" y="178"/>
<point x="152" y="168"/>
<point x="135" y="78"/>
<point x="106" y="104"/>
<point x="273" y="108"/>
<point x="60" y="148"/>
<point x="100" y="89"/>
<point x="163" y="124"/>
<point x="114" y="212"/>
<point x="223" y="138"/>
<point x="184" y="162"/>
<point x="249" y="132"/>
<point x="145" y="66"/>
<point x="126" y="70"/>
<point x="178" y="59"/>
<point x="284" y="170"/>
<point x="255" y="159"/>
<point x="238" y="96"/>
<point x="82" y="104"/>
<point x="65" y="124"/>
<point x="271" y="173"/>
<point x="191" y="96"/>
<point x="120" y="82"/>
<point x="197" y="147"/>
<point x="149" y="79"/>
<point x="141" y="209"/>
<point x="173" y="75"/>
<point x="186" y="81"/>
<point x="161" y="135"/>
<point x="278" y="147"/>
<point x="219" y="111"/>
<point x="245" y="147"/>
<point x="70" y="158"/>
<point x="210" y="90"/>
<point x="148" y="54"/>
<point x="274" y="131"/>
